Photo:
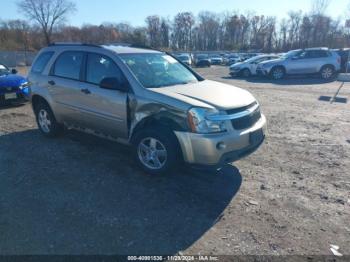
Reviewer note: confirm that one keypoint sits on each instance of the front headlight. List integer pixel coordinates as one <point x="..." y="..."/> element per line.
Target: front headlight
<point x="235" y="68"/>
<point x="25" y="88"/>
<point x="198" y="122"/>
<point x="24" y="85"/>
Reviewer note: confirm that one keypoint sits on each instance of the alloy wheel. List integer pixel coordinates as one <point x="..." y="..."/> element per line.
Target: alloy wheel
<point x="277" y="73"/>
<point x="327" y="73"/>
<point x="44" y="120"/>
<point x="152" y="153"/>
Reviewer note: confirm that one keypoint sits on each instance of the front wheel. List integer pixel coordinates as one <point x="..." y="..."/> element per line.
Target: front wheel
<point x="327" y="72"/>
<point x="246" y="72"/>
<point x="46" y="121"/>
<point x="156" y="151"/>
<point x="277" y="73"/>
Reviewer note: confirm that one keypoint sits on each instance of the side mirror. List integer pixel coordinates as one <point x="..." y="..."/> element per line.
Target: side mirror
<point x="113" y="83"/>
<point x="14" y="71"/>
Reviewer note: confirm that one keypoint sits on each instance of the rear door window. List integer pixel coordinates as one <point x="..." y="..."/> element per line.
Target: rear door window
<point x="41" y="62"/>
<point x="68" y="65"/>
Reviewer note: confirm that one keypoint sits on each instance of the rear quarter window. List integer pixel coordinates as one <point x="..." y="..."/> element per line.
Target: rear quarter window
<point x="68" y="65"/>
<point x="41" y="62"/>
<point x="322" y="53"/>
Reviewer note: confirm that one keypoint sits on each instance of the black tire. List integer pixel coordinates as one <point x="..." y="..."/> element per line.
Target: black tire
<point x="245" y="72"/>
<point x="327" y="72"/>
<point x="51" y="128"/>
<point x="277" y="73"/>
<point x="167" y="139"/>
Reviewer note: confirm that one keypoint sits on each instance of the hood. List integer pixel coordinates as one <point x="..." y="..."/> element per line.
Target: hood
<point x="272" y="61"/>
<point x="237" y="64"/>
<point x="209" y="93"/>
<point x="12" y="80"/>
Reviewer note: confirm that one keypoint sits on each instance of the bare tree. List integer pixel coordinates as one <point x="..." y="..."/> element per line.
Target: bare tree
<point x="164" y="31"/>
<point x="206" y="31"/>
<point x="319" y="7"/>
<point x="295" y="19"/>
<point x="153" y="28"/>
<point x="182" y="30"/>
<point x="47" y="13"/>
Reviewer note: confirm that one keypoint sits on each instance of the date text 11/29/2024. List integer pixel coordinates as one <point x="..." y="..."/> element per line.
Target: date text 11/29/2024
<point x="173" y="258"/>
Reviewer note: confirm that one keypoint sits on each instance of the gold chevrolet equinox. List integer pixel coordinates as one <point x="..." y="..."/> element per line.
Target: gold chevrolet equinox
<point x="147" y="99"/>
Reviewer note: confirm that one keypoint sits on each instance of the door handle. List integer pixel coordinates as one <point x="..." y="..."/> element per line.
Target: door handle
<point x="85" y="91"/>
<point x="51" y="82"/>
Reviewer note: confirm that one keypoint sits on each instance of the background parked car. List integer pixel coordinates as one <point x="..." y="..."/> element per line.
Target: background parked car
<point x="13" y="88"/>
<point x="303" y="61"/>
<point x="202" y="60"/>
<point x="216" y="60"/>
<point x="185" y="58"/>
<point x="232" y="59"/>
<point x="249" y="66"/>
<point x="344" y="57"/>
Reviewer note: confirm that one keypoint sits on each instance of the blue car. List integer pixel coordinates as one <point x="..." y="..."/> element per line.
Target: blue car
<point x="13" y="88"/>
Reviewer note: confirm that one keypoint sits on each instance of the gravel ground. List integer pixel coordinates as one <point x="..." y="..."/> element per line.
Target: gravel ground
<point x="83" y="195"/>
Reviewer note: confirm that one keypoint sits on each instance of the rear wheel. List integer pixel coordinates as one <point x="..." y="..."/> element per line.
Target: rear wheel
<point x="156" y="150"/>
<point x="46" y="121"/>
<point x="327" y="72"/>
<point x="277" y="73"/>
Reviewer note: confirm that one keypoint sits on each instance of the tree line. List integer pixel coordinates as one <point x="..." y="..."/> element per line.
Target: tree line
<point x="207" y="31"/>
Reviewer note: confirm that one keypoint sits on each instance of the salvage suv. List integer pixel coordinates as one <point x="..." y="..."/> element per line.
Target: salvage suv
<point x="147" y="99"/>
<point x="320" y="61"/>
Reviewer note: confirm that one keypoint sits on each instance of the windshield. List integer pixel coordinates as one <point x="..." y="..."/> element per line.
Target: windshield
<point x="290" y="54"/>
<point x="253" y="59"/>
<point x="4" y="70"/>
<point x="183" y="57"/>
<point x="158" y="70"/>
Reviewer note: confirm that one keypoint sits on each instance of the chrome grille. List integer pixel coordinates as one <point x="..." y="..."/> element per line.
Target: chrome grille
<point x="246" y="121"/>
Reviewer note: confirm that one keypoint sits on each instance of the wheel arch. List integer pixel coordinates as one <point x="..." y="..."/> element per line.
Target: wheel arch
<point x="327" y="65"/>
<point x="156" y="121"/>
<point x="37" y="99"/>
<point x="245" y="68"/>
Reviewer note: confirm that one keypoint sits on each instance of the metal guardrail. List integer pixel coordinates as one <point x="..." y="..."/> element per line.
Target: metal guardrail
<point x="16" y="58"/>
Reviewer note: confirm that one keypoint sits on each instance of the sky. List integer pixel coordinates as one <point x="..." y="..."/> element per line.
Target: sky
<point x="135" y="12"/>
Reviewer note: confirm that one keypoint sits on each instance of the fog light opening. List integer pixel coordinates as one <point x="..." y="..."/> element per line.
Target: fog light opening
<point x="220" y="146"/>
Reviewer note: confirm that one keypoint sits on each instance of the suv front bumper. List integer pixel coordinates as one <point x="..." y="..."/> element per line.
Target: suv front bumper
<point x="219" y="149"/>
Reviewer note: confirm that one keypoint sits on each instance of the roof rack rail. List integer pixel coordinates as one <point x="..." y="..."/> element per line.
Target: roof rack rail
<point x="72" y="44"/>
<point x="118" y="44"/>
<point x="132" y="45"/>
<point x="144" y="47"/>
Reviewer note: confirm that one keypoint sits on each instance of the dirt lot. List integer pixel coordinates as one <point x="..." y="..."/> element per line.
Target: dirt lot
<point x="82" y="195"/>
